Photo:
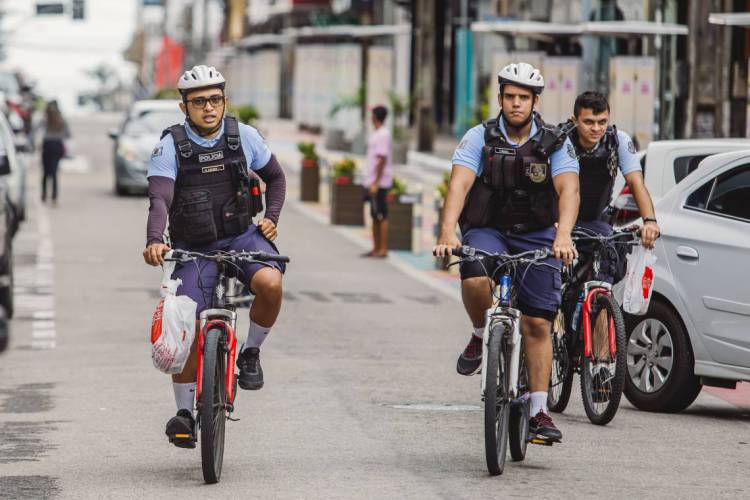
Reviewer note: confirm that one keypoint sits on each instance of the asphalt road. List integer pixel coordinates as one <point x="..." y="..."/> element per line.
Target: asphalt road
<point x="361" y="398"/>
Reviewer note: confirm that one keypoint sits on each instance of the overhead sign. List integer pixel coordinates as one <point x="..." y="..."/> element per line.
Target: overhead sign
<point x="49" y="8"/>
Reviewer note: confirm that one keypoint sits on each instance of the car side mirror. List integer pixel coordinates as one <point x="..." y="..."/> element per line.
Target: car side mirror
<point x="4" y="165"/>
<point x="113" y="134"/>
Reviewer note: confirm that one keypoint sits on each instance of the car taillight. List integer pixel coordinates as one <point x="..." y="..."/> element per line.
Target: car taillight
<point x="627" y="210"/>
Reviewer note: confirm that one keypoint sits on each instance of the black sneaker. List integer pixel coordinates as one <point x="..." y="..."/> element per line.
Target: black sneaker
<point x="470" y="361"/>
<point x="601" y="385"/>
<point x="181" y="429"/>
<point x="542" y="427"/>
<point x="251" y="374"/>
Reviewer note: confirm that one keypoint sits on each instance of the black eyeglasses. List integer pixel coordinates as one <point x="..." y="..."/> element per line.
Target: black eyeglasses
<point x="200" y="102"/>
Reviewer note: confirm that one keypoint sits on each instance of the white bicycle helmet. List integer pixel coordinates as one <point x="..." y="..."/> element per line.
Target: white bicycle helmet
<point x="200" y="77"/>
<point x="521" y="74"/>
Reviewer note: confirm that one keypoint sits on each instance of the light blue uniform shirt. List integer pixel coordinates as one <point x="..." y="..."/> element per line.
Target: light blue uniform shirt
<point x="469" y="151"/>
<point x="163" y="161"/>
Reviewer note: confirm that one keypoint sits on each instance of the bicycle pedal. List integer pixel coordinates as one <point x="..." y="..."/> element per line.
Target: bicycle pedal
<point x="540" y="441"/>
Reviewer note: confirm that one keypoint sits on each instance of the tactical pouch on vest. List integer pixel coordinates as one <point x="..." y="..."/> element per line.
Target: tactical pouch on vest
<point x="502" y="167"/>
<point x="256" y="197"/>
<point x="479" y="212"/>
<point x="195" y="216"/>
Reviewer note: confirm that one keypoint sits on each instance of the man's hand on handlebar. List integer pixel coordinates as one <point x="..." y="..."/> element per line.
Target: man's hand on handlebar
<point x="154" y="253"/>
<point x="445" y="245"/>
<point x="564" y="248"/>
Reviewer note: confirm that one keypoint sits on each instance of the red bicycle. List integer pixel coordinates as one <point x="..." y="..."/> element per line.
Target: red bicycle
<point x="216" y="386"/>
<point x="588" y="334"/>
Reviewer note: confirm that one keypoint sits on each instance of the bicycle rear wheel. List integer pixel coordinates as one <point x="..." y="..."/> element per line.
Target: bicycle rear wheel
<point x="602" y="375"/>
<point x="561" y="378"/>
<point x="496" y="403"/>
<point x="213" y="406"/>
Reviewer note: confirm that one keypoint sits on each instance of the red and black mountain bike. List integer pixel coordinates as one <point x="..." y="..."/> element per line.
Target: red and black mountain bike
<point x="216" y="386"/>
<point x="588" y="334"/>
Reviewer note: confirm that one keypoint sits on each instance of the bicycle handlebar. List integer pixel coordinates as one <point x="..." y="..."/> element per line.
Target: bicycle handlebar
<point x="232" y="256"/>
<point x="531" y="256"/>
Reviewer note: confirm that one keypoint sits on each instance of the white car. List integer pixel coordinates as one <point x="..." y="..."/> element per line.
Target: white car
<point x="665" y="164"/>
<point x="697" y="329"/>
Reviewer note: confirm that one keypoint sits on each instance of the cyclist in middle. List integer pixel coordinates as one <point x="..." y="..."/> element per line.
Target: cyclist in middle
<point x="513" y="188"/>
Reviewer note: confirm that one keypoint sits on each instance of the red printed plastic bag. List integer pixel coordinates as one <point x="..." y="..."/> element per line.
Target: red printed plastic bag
<point x="639" y="281"/>
<point x="173" y="326"/>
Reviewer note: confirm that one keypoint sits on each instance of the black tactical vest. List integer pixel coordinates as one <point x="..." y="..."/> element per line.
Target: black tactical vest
<point x="515" y="190"/>
<point x="215" y="196"/>
<point x="597" y="174"/>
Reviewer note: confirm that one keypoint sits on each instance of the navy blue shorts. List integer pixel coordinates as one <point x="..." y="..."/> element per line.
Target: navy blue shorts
<point x="379" y="204"/>
<point x="199" y="285"/>
<point x="539" y="291"/>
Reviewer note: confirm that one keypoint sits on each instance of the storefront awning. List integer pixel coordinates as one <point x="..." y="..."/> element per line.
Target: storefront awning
<point x="351" y="31"/>
<point x="593" y="28"/>
<point x="252" y="41"/>
<point x="740" y="19"/>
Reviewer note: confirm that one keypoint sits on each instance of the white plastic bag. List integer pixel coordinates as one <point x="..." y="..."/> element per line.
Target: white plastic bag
<point x="173" y="326"/>
<point x="639" y="281"/>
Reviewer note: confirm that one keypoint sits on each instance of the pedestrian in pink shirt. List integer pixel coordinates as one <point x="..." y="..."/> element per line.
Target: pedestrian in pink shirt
<point x="378" y="181"/>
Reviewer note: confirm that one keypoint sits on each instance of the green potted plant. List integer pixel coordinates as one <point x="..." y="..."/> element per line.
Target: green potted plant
<point x="401" y="214"/>
<point x="335" y="139"/>
<point x="346" y="197"/>
<point x="245" y="113"/>
<point x="401" y="136"/>
<point x="310" y="172"/>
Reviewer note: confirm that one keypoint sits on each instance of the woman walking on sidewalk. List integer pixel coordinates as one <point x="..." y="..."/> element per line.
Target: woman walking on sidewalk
<point x="53" y="148"/>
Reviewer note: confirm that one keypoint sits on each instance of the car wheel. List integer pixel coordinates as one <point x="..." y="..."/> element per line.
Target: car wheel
<point x="660" y="361"/>
<point x="4" y="330"/>
<point x="6" y="292"/>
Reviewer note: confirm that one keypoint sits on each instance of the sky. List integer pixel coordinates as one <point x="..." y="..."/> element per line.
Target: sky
<point x="55" y="51"/>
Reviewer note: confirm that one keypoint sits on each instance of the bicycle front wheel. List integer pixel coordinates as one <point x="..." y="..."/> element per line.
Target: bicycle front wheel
<point x="603" y="375"/>
<point x="213" y="406"/>
<point x="518" y="421"/>
<point x="496" y="403"/>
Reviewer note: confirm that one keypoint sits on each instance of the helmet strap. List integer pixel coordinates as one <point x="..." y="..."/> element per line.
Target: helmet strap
<point x="522" y="125"/>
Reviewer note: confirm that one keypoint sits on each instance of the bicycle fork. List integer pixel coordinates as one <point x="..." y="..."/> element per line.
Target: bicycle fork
<point x="511" y="320"/>
<point x="591" y="290"/>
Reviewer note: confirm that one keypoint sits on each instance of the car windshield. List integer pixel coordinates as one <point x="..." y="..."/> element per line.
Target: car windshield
<point x="152" y="122"/>
<point x="9" y="84"/>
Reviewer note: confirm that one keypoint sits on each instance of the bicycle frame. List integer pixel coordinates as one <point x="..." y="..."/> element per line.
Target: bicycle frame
<point x="220" y="316"/>
<point x="591" y="290"/>
<point x="512" y="319"/>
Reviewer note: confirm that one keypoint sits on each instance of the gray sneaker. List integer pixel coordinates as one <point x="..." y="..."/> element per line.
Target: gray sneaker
<point x="470" y="361"/>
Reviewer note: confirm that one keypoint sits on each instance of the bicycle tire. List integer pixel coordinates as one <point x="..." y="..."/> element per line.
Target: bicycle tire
<point x="213" y="406"/>
<point x="518" y="422"/>
<point x="496" y="404"/>
<point x="561" y="378"/>
<point x="606" y="303"/>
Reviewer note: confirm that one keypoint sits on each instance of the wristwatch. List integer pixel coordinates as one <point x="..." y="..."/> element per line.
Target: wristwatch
<point x="650" y="219"/>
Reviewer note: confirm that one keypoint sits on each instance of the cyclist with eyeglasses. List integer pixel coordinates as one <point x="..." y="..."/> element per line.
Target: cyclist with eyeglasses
<point x="203" y="181"/>
<point x="514" y="188"/>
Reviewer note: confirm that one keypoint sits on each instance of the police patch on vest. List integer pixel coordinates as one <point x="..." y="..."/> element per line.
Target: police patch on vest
<point x="216" y="155"/>
<point x="212" y="169"/>
<point x="536" y="172"/>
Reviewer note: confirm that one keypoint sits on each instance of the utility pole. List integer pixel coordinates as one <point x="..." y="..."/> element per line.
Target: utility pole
<point x="425" y="85"/>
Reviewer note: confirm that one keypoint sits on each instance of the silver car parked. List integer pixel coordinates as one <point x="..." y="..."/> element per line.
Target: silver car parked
<point x="697" y="329"/>
<point x="135" y="140"/>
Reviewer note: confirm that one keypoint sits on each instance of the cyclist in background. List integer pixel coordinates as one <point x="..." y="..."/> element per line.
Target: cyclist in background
<point x="199" y="181"/>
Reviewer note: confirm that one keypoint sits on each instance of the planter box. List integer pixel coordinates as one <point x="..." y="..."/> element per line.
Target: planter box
<point x="347" y="204"/>
<point x="401" y="214"/>
<point x="310" y="181"/>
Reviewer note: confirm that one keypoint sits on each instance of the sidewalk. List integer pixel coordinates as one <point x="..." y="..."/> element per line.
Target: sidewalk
<point x="282" y="137"/>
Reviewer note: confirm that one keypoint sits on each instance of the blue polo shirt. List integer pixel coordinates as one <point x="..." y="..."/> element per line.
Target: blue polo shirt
<point x="163" y="161"/>
<point x="469" y="151"/>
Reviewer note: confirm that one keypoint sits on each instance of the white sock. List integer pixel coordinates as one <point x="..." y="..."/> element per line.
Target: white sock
<point x="538" y="402"/>
<point x="184" y="396"/>
<point x="479" y="332"/>
<point x="256" y="334"/>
